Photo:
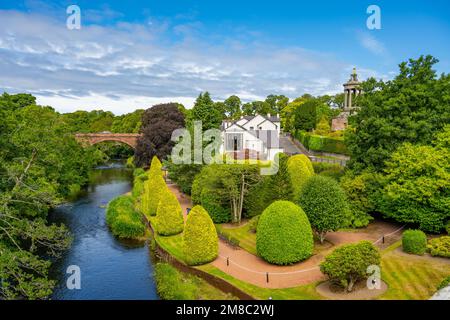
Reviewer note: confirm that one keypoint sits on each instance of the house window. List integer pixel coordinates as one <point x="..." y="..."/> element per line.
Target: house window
<point x="251" y="128"/>
<point x="260" y="128"/>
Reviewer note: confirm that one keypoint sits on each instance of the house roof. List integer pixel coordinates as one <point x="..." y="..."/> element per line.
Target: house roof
<point x="248" y="118"/>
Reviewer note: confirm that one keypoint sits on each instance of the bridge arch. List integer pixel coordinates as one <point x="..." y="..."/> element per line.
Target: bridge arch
<point x="129" y="139"/>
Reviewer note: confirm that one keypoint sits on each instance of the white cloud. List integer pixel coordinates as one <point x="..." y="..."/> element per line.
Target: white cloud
<point x="369" y="42"/>
<point x="128" y="66"/>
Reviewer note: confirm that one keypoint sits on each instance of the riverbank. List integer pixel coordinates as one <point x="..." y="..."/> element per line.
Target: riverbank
<point x="110" y="268"/>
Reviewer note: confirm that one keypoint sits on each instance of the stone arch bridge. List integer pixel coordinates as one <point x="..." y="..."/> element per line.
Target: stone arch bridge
<point x="94" y="138"/>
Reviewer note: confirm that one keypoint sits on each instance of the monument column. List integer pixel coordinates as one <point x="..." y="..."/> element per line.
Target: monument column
<point x="350" y="99"/>
<point x="345" y="99"/>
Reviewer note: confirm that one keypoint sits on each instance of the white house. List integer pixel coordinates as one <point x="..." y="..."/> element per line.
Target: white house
<point x="254" y="137"/>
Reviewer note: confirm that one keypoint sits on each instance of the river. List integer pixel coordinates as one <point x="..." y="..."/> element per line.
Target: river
<point x="110" y="269"/>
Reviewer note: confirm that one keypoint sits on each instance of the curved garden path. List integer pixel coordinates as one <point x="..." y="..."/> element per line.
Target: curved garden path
<point x="247" y="267"/>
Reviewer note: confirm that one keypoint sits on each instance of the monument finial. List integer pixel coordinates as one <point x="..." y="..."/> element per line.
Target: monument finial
<point x="354" y="76"/>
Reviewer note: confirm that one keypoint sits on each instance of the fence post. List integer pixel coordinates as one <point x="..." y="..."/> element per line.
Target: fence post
<point x="383" y="239"/>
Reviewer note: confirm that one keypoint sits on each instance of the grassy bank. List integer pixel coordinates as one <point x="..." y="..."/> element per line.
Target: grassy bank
<point x="175" y="285"/>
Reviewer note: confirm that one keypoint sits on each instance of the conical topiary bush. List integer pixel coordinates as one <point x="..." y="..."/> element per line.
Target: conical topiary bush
<point x="200" y="241"/>
<point x="169" y="215"/>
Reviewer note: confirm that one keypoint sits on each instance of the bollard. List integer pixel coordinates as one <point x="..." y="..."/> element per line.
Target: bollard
<point x="228" y="261"/>
<point x="383" y="239"/>
<point x="267" y="277"/>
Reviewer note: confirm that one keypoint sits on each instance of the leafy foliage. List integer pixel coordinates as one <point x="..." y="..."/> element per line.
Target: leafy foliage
<point x="154" y="188"/>
<point x="169" y="215"/>
<point x="410" y="108"/>
<point x="417" y="187"/>
<point x="348" y="264"/>
<point x="206" y="111"/>
<point x="40" y="165"/>
<point x="123" y="219"/>
<point x="305" y="115"/>
<point x="183" y="174"/>
<point x="284" y="234"/>
<point x="322" y="143"/>
<point x="269" y="189"/>
<point x="300" y="169"/>
<point x="158" y="124"/>
<point x="224" y="187"/>
<point x="127" y="123"/>
<point x="325" y="205"/>
<point x="362" y="192"/>
<point x="414" y="241"/>
<point x="440" y="247"/>
<point x="200" y="241"/>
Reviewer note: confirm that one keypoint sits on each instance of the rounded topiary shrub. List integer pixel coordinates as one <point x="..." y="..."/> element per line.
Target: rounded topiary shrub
<point x="169" y="215"/>
<point x="414" y="241"/>
<point x="300" y="170"/>
<point x="325" y="204"/>
<point x="283" y="234"/>
<point x="348" y="264"/>
<point x="200" y="241"/>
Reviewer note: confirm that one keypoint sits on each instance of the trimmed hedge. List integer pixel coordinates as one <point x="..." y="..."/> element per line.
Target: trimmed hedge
<point x="200" y="240"/>
<point x="322" y="143"/>
<point x="300" y="170"/>
<point x="169" y="215"/>
<point x="334" y="171"/>
<point x="414" y="242"/>
<point x="440" y="247"/>
<point x="123" y="219"/>
<point x="138" y="185"/>
<point x="154" y="188"/>
<point x="155" y="167"/>
<point x="284" y="235"/>
<point x="325" y="204"/>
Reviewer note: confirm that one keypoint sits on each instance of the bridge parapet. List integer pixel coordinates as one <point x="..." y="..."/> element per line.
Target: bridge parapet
<point x="94" y="138"/>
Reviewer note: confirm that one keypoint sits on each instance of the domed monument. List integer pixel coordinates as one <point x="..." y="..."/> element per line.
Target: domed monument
<point x="351" y="90"/>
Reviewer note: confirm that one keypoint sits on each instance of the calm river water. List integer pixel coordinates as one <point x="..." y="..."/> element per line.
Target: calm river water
<point x="110" y="269"/>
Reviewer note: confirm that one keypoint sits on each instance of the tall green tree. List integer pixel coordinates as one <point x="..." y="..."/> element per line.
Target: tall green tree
<point x="305" y="116"/>
<point x="410" y="108"/>
<point x="233" y="107"/>
<point x="40" y="164"/>
<point x="206" y="111"/>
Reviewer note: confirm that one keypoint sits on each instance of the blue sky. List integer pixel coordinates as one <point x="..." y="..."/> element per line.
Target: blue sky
<point x="132" y="54"/>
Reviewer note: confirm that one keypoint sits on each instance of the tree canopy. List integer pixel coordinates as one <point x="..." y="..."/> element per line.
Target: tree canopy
<point x="158" y="124"/>
<point x="410" y="108"/>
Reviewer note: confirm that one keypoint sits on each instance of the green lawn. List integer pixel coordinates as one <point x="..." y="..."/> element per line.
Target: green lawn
<point x="172" y="244"/>
<point x="247" y="239"/>
<point x="411" y="277"/>
<point x="408" y="277"/>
